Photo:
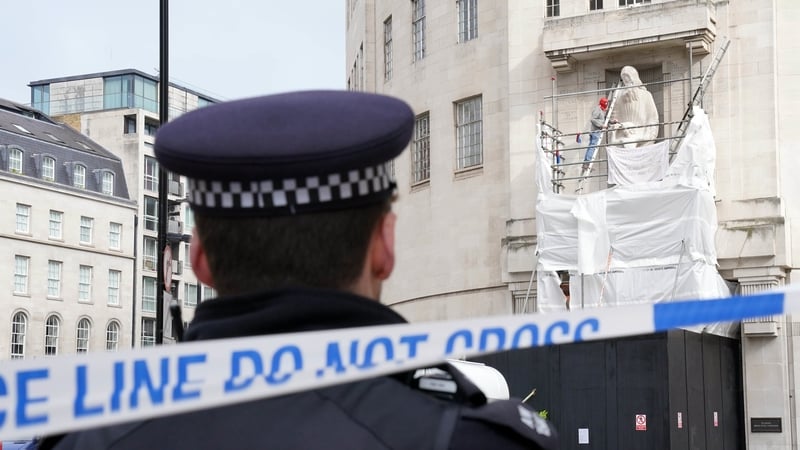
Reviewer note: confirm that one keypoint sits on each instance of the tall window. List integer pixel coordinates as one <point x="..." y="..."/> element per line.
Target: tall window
<point x="112" y="336"/>
<point x="421" y="153"/>
<point x="85" y="284"/>
<point x="19" y="328"/>
<point x="208" y="293"/>
<point x="387" y="49"/>
<point x="21" y="264"/>
<point x="149" y="257"/>
<point x="15" y="160"/>
<point x="595" y="5"/>
<point x="54" y="279"/>
<point x="190" y="297"/>
<point x="113" y="287"/>
<point x="553" y="8"/>
<point x="149" y="294"/>
<point x="148" y="332"/>
<point x="40" y="98"/>
<point x="632" y="2"/>
<point x="150" y="213"/>
<point x="130" y="91"/>
<point x="150" y="174"/>
<point x="87" y="223"/>
<point x="23" y="218"/>
<point x="467" y="20"/>
<point x="52" y="328"/>
<point x="55" y="229"/>
<point x="82" y="335"/>
<point x="469" y="132"/>
<point x="418" y="29"/>
<point x="79" y="176"/>
<point x="114" y="235"/>
<point x="108" y="183"/>
<point x="48" y="169"/>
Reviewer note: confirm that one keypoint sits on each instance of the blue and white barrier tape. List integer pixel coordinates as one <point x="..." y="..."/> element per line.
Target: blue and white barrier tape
<point x="53" y="395"/>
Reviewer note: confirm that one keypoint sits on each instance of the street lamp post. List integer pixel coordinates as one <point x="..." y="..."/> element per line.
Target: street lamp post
<point x="163" y="182"/>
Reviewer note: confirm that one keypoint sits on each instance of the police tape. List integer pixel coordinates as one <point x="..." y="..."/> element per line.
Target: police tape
<point x="68" y="393"/>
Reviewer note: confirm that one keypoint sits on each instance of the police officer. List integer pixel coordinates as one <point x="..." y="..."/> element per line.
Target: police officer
<point x="292" y="201"/>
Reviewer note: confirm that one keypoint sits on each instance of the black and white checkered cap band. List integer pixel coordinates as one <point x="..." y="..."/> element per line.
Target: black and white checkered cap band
<point x="288" y="193"/>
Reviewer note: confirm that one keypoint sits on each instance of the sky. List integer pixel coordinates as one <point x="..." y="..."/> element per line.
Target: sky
<point x="227" y="49"/>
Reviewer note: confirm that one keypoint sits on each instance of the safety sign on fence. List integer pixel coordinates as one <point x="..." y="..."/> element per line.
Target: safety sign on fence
<point x="71" y="392"/>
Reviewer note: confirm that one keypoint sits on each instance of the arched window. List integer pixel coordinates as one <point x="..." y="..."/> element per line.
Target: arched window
<point x="52" y="329"/>
<point x="48" y="169"/>
<point x="19" y="327"/>
<point x="112" y="336"/>
<point x="15" y="160"/>
<point x="79" y="176"/>
<point x="82" y="337"/>
<point x="108" y="183"/>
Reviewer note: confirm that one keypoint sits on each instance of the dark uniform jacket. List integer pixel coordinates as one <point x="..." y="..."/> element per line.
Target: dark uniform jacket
<point x="380" y="413"/>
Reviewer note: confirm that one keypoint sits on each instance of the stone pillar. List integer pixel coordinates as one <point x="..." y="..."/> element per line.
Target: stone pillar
<point x="768" y="365"/>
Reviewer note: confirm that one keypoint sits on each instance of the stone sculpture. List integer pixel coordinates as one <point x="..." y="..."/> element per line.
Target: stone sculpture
<point x="633" y="111"/>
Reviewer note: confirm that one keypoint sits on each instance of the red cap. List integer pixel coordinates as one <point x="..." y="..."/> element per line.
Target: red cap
<point x="603" y="102"/>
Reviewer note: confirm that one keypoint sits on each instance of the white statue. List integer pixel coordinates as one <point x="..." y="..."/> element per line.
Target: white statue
<point x="634" y="107"/>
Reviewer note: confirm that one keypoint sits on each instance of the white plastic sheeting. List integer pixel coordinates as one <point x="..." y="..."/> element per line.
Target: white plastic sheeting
<point x="639" y="243"/>
<point x="637" y="165"/>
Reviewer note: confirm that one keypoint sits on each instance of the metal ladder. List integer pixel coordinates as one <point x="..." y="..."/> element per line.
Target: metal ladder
<point x="697" y="98"/>
<point x="587" y="169"/>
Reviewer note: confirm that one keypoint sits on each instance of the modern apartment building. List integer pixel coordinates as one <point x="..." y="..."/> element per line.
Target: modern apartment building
<point x="119" y="110"/>
<point x="66" y="240"/>
<point x="481" y="75"/>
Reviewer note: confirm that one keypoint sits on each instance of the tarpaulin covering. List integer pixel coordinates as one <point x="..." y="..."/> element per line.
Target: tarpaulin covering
<point x="637" y="243"/>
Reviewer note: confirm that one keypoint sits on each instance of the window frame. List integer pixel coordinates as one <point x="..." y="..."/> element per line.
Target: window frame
<point x="83" y="333"/>
<point x="149" y="290"/>
<point x="19" y="333"/>
<point x="421" y="149"/>
<point x="190" y="293"/>
<point x="149" y="253"/>
<point x="15" y="158"/>
<point x="52" y="334"/>
<point x="55" y="228"/>
<point x="553" y="8"/>
<point x="23" y="219"/>
<point x="85" y="274"/>
<point x="115" y="236"/>
<point x="417" y="30"/>
<point x="21" y="276"/>
<point x="469" y="124"/>
<point x="112" y="336"/>
<point x="467" y="20"/>
<point x="86" y="230"/>
<point x="107" y="183"/>
<point x="150" y="213"/>
<point x="148" y="336"/>
<point x="387" y="49"/>
<point x="114" y="279"/>
<point x="49" y="168"/>
<point x="54" y="271"/>
<point x="79" y="176"/>
<point x="150" y="174"/>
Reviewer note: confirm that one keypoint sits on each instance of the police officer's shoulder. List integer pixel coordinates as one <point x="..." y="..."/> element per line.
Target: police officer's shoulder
<point x="503" y="424"/>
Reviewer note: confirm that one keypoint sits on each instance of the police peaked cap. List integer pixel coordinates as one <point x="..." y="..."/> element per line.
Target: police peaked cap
<point x="288" y="153"/>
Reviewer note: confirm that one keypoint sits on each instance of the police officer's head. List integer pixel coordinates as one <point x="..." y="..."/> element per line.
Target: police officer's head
<point x="291" y="189"/>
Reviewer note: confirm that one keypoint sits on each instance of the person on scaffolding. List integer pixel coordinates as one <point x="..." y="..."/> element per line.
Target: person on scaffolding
<point x="596" y="125"/>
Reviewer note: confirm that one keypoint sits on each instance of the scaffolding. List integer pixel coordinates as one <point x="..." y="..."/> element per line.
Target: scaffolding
<point x="558" y="145"/>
